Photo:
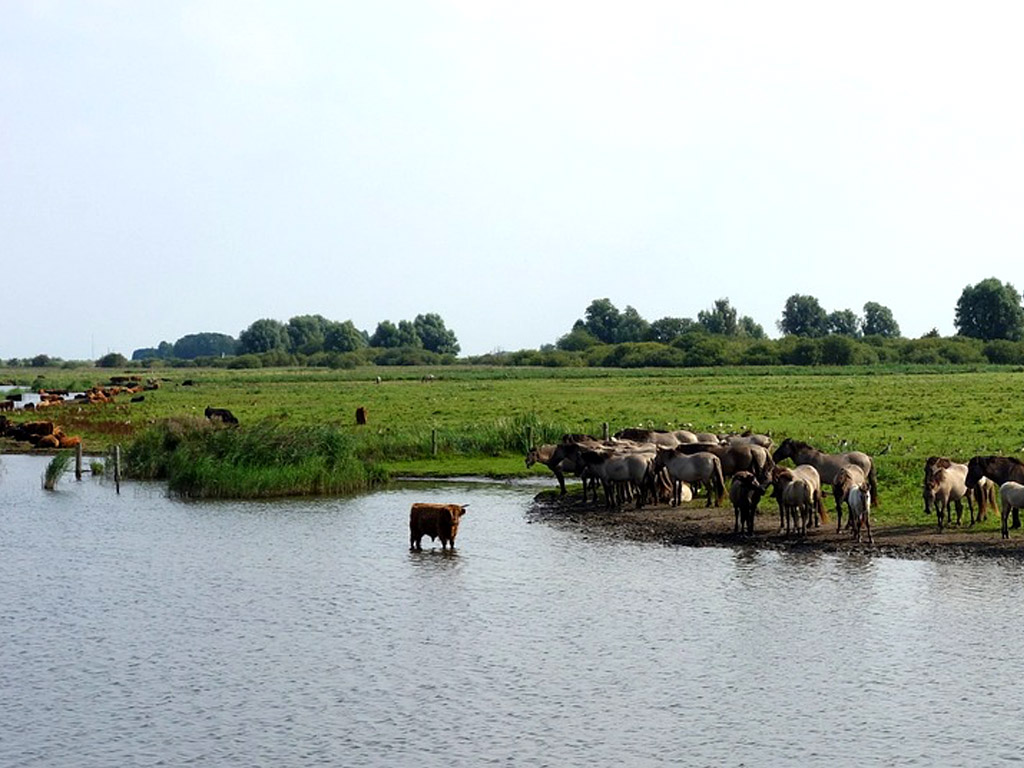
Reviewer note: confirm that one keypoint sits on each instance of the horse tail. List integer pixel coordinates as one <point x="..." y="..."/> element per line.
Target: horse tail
<point x="873" y="485"/>
<point x="822" y="512"/>
<point x="718" y="480"/>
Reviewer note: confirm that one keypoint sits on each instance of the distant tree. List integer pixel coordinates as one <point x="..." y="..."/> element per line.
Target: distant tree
<point x="41" y="361"/>
<point x="263" y="336"/>
<point x="720" y="319"/>
<point x="751" y="330"/>
<point x="112" y="360"/>
<point x="631" y="326"/>
<point x="838" y="349"/>
<point x="878" y="321"/>
<point x="803" y="316"/>
<point x="602" y="320"/>
<point x="386" y="336"/>
<point x="990" y="310"/>
<point x="343" y="337"/>
<point x="844" y="322"/>
<point x="434" y="335"/>
<point x="163" y="351"/>
<point x="306" y="333"/>
<point x="408" y="335"/>
<point x="932" y="334"/>
<point x="576" y="340"/>
<point x="195" y="345"/>
<point x="668" y="329"/>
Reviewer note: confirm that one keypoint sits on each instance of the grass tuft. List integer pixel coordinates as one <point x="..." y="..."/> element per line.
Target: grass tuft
<point x="56" y="469"/>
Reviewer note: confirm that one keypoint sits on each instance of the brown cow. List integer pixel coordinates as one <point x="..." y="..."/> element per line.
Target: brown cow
<point x="438" y="521"/>
<point x="360" y="415"/>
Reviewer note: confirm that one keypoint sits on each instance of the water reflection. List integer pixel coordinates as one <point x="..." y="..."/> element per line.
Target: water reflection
<point x="306" y="632"/>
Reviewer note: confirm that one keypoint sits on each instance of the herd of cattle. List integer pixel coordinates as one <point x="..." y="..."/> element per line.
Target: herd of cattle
<point x="39" y="434"/>
<point x="667" y="466"/>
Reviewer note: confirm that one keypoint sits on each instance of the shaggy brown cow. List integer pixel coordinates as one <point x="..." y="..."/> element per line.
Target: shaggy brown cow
<point x="438" y="521"/>
<point x="361" y="415"/>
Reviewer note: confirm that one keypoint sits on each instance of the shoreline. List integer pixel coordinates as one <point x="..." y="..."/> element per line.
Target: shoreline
<point x="700" y="526"/>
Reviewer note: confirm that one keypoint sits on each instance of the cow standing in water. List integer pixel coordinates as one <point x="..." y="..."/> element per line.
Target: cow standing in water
<point x="438" y="521"/>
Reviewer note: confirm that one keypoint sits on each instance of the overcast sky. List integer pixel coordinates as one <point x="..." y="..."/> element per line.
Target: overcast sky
<point x="178" y="167"/>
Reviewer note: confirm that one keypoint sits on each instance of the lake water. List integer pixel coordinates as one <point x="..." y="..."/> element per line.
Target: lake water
<point x="138" y="630"/>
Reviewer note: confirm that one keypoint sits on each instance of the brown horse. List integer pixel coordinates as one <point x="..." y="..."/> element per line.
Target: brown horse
<point x="827" y="464"/>
<point x="561" y="458"/>
<point x="657" y="437"/>
<point x="740" y="457"/>
<point x="998" y="469"/>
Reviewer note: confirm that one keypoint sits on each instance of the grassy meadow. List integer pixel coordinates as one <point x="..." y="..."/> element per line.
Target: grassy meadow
<point x="480" y="417"/>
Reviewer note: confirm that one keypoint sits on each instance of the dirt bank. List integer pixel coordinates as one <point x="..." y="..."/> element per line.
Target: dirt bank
<point x="699" y="526"/>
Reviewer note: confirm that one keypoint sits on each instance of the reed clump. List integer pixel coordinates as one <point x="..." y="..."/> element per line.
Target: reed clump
<point x="55" y="469"/>
<point x="203" y="460"/>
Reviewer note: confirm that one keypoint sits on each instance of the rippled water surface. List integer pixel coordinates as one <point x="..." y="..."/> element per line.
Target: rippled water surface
<point x="140" y="630"/>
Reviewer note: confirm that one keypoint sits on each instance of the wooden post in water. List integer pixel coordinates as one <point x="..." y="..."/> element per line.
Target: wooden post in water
<point x="604" y="431"/>
<point x="433" y="442"/>
<point x="78" y="462"/>
<point x="117" y="468"/>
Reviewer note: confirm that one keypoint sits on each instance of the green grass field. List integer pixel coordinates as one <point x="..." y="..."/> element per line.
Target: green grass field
<point x="480" y="418"/>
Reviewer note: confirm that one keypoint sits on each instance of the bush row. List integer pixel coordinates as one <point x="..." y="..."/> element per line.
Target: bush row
<point x="702" y="350"/>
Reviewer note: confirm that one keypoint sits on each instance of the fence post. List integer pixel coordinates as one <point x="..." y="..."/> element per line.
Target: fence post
<point x="433" y="442"/>
<point x="604" y="430"/>
<point x="78" y="462"/>
<point x="529" y="438"/>
<point x="117" y="468"/>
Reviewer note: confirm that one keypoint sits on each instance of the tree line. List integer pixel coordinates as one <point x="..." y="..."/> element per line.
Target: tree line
<point x="989" y="319"/>
<point x="988" y="316"/>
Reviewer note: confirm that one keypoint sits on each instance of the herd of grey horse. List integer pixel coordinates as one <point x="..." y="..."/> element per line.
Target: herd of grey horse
<point x="639" y="465"/>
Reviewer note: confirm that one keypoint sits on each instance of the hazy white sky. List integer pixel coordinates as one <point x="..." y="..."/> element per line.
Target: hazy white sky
<point x="178" y="167"/>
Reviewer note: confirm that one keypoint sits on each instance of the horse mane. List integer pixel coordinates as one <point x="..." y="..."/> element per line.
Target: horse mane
<point x="798" y="445"/>
<point x="986" y="460"/>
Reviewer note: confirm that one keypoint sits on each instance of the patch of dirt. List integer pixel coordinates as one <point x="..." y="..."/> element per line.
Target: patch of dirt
<point x="695" y="525"/>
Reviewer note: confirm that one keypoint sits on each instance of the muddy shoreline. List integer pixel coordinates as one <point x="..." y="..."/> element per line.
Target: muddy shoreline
<point x="693" y="525"/>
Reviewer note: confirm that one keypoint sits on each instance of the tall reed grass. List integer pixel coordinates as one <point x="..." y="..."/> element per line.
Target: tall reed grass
<point x="55" y="470"/>
<point x="202" y="460"/>
<point x="497" y="437"/>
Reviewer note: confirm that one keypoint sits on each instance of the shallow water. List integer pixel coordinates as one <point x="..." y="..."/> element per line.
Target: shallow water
<point x="141" y="630"/>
